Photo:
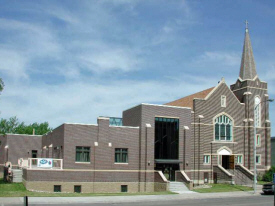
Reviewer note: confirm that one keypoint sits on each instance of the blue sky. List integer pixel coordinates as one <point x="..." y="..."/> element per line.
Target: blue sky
<point x="72" y="61"/>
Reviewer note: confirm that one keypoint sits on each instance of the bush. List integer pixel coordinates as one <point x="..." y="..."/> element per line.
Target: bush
<point x="268" y="174"/>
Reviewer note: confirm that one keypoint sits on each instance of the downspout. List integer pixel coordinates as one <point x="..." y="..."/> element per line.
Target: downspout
<point x="194" y="155"/>
<point x="184" y="148"/>
<point x="199" y="153"/>
<point x="145" y="173"/>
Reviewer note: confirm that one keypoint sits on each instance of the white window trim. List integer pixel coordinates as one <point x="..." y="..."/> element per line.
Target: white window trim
<point x="259" y="109"/>
<point x="258" y="135"/>
<point x="239" y="163"/>
<point x="260" y="158"/>
<point x="232" y="128"/>
<point x="207" y="163"/>
<point x="121" y="163"/>
<point x="223" y="103"/>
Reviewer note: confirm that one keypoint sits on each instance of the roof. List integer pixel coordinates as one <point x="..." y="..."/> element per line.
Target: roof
<point x="248" y="67"/>
<point x="188" y="100"/>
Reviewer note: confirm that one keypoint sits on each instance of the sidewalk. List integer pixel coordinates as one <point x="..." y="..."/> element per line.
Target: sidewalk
<point x="124" y="199"/>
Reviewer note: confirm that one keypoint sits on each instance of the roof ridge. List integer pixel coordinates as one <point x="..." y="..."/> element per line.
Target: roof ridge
<point x="187" y="101"/>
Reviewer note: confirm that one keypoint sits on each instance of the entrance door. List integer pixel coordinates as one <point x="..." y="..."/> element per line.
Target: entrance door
<point x="228" y="161"/>
<point x="206" y="177"/>
<point x="231" y="162"/>
<point x="169" y="170"/>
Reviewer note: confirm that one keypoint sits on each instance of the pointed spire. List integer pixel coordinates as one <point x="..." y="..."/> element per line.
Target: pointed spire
<point x="248" y="67"/>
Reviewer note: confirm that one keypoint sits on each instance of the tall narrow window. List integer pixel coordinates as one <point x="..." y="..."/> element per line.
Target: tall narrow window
<point x="239" y="159"/>
<point x="258" y="140"/>
<point x="258" y="159"/>
<point x="121" y="155"/>
<point x="82" y="154"/>
<point x="257" y="112"/>
<point x="34" y="153"/>
<point x="166" y="138"/>
<point x="206" y="159"/>
<point x="223" y="101"/>
<point x="223" y="128"/>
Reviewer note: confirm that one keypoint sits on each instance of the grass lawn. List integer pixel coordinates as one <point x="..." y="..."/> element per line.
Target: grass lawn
<point x="261" y="182"/>
<point x="19" y="190"/>
<point x="223" y="188"/>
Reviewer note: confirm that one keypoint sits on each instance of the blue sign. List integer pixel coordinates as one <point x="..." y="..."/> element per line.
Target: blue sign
<point x="274" y="178"/>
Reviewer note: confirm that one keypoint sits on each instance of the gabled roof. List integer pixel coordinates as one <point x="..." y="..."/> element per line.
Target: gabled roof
<point x="188" y="100"/>
<point x="248" y="67"/>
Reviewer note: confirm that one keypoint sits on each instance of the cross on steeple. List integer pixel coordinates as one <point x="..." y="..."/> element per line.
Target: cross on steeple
<point x="246" y="25"/>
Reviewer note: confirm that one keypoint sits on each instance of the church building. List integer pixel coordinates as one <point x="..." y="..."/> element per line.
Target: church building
<point x="206" y="137"/>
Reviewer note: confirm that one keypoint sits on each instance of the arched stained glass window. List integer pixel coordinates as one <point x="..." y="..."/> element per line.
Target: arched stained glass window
<point x="223" y="128"/>
<point x="257" y="112"/>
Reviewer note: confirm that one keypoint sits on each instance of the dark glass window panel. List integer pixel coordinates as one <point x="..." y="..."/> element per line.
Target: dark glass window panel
<point x="124" y="188"/>
<point x="228" y="132"/>
<point x="34" y="153"/>
<point x="82" y="154"/>
<point x="222" y="132"/>
<point x="115" y="121"/>
<point x="121" y="155"/>
<point x="57" y="188"/>
<point x="217" y="131"/>
<point x="223" y="128"/>
<point x="77" y="188"/>
<point x="166" y="138"/>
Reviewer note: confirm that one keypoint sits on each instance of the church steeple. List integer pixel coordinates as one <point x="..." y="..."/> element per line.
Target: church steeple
<point x="248" y="67"/>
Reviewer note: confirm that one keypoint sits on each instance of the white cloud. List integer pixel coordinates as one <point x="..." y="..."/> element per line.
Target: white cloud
<point x="84" y="101"/>
<point x="13" y="64"/>
<point x="220" y="58"/>
<point x="117" y="59"/>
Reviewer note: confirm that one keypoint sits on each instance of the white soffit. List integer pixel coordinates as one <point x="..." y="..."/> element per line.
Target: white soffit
<point x="224" y="152"/>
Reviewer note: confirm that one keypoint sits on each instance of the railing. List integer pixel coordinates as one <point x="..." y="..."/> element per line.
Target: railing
<point x="244" y="170"/>
<point x="244" y="176"/>
<point x="181" y="176"/>
<point x="225" y="171"/>
<point x="222" y="174"/>
<point x="45" y="163"/>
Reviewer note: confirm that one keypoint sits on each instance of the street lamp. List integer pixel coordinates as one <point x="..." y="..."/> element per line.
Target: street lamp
<point x="255" y="142"/>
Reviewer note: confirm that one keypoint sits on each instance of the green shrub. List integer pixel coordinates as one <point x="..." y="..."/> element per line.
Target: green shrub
<point x="268" y="174"/>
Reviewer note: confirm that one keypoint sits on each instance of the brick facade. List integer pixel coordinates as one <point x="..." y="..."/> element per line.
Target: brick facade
<point x="196" y="116"/>
<point x="18" y="146"/>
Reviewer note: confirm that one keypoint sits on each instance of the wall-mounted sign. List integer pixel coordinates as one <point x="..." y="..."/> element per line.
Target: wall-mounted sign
<point x="44" y="162"/>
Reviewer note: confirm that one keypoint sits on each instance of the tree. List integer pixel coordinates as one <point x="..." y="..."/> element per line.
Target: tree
<point x="1" y="85"/>
<point x="8" y="126"/>
<point x="13" y="126"/>
<point x="268" y="174"/>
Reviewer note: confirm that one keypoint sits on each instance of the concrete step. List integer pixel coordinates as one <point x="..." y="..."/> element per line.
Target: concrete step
<point x="17" y="175"/>
<point x="179" y="187"/>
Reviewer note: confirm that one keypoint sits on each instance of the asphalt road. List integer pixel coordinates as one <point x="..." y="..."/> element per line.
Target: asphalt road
<point x="263" y="200"/>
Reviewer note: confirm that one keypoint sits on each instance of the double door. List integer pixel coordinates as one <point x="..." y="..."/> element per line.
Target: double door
<point x="169" y="170"/>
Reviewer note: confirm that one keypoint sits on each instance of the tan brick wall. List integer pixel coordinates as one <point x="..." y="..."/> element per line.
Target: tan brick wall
<point x="90" y="187"/>
<point x="159" y="187"/>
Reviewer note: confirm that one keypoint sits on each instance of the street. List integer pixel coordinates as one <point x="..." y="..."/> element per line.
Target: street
<point x="263" y="200"/>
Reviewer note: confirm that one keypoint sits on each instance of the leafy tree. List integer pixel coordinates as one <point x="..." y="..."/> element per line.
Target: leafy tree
<point x="268" y="174"/>
<point x="13" y="126"/>
<point x="1" y="85"/>
<point x="8" y="126"/>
